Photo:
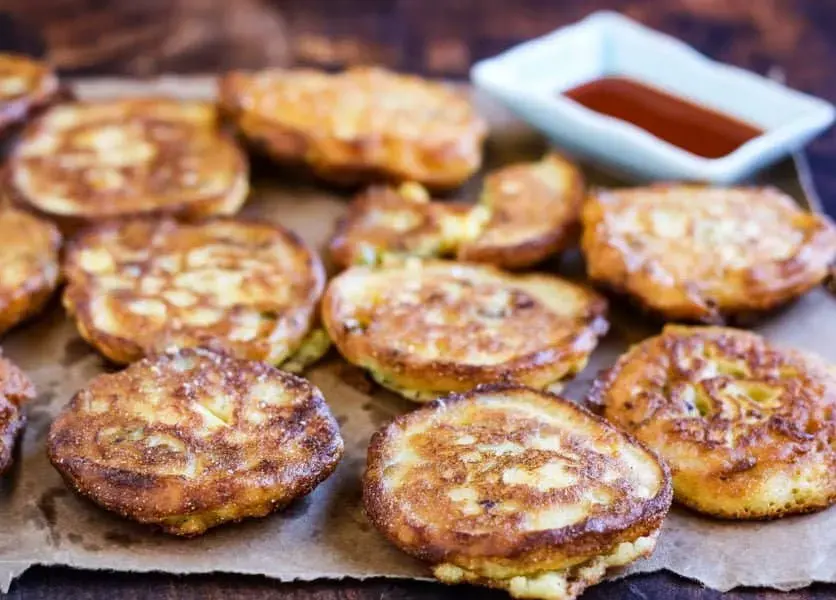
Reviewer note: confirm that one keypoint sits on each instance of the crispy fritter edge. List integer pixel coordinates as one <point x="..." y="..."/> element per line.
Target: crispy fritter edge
<point x="588" y="537"/>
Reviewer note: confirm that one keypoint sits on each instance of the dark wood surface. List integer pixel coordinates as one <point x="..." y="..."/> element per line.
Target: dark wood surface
<point x="439" y="38"/>
<point x="64" y="584"/>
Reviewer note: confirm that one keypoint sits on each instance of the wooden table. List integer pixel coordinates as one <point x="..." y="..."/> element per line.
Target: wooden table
<point x="432" y="37"/>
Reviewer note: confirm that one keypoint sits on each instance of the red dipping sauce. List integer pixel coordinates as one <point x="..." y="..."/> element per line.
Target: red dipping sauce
<point x="697" y="129"/>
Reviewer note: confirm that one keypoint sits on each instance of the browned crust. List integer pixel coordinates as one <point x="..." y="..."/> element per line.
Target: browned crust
<point x="525" y="255"/>
<point x="762" y="287"/>
<point x="136" y="491"/>
<point x="711" y="509"/>
<point x="196" y="211"/>
<point x="540" y="216"/>
<point x="784" y="443"/>
<point x="590" y="537"/>
<point x="538" y="369"/>
<point x="28" y="302"/>
<point x="537" y="249"/>
<point x="123" y="350"/>
<point x="29" y="298"/>
<point x="357" y="159"/>
<point x="117" y="349"/>
<point x="15" y="390"/>
<point x="226" y="204"/>
<point x="426" y="239"/>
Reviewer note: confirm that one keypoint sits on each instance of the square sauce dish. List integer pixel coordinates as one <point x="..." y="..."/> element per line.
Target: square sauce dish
<point x="723" y="123"/>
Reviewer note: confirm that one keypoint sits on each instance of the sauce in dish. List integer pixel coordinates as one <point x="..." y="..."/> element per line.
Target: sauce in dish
<point x="694" y="128"/>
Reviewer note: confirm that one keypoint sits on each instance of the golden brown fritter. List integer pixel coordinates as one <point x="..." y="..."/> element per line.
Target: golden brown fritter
<point x="424" y="329"/>
<point x="526" y="213"/>
<point x="250" y="289"/>
<point x="82" y="162"/>
<point x="535" y="209"/>
<point x="361" y="125"/>
<point x="15" y="390"/>
<point x="192" y="439"/>
<point x="25" y="86"/>
<point x="29" y="269"/>
<point x="512" y="488"/>
<point x="385" y="222"/>
<point x="699" y="254"/>
<point x="748" y="429"/>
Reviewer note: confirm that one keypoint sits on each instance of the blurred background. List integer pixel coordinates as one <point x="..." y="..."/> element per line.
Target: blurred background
<point x="433" y="37"/>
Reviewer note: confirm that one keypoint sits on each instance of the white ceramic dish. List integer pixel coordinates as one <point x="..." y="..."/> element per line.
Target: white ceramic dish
<point x="529" y="78"/>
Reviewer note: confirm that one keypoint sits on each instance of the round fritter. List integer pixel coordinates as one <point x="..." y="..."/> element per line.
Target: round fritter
<point x="748" y="429"/>
<point x="698" y="253"/>
<point x="28" y="264"/>
<point x="423" y="329"/>
<point x="15" y="390"/>
<point x="535" y="210"/>
<point x="25" y="85"/>
<point x="193" y="439"/>
<point x="385" y="222"/>
<point x="250" y="289"/>
<point x="515" y="489"/>
<point x="82" y="162"/>
<point x="360" y="125"/>
<point x="526" y="213"/>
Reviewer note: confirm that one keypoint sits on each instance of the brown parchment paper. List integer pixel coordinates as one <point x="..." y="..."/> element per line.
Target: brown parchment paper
<point x="326" y="535"/>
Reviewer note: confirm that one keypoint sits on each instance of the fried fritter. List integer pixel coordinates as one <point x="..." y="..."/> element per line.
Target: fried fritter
<point x="15" y="390"/>
<point x="515" y="489"/>
<point x="535" y="210"/>
<point x="82" y="162"/>
<point x="28" y="264"/>
<point x="190" y="440"/>
<point x="526" y="213"/>
<point x="250" y="289"/>
<point x="362" y="125"/>
<point x="701" y="254"/>
<point x="748" y="429"/>
<point x="386" y="222"/>
<point x="25" y="85"/>
<point x="426" y="328"/>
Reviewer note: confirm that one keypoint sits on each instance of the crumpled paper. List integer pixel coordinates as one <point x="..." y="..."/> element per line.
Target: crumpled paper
<point x="326" y="535"/>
